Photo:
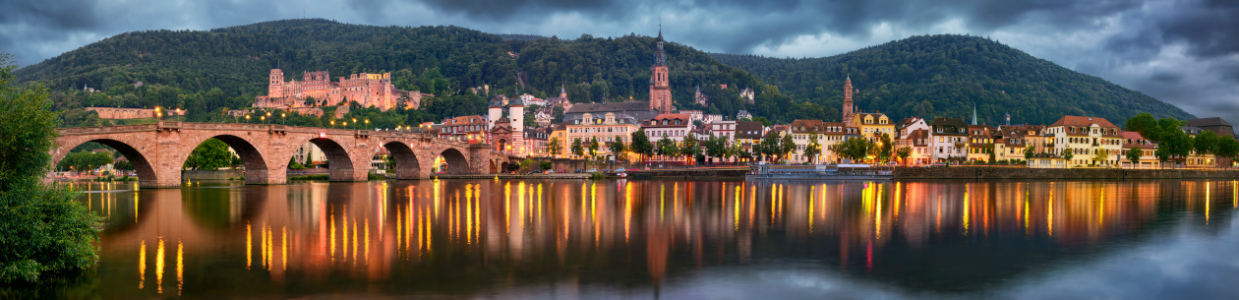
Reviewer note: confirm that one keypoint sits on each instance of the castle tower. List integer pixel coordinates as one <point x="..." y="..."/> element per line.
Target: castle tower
<point x="495" y="111"/>
<point x="847" y="100"/>
<point x="1007" y="118"/>
<point x="275" y="88"/>
<point x="660" y="89"/>
<point x="516" y="113"/>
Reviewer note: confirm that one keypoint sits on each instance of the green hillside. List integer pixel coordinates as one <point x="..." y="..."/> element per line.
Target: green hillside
<point x="207" y="71"/>
<point x="946" y="75"/>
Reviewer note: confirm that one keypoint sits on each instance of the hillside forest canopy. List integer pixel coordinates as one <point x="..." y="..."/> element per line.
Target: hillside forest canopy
<point x="207" y="72"/>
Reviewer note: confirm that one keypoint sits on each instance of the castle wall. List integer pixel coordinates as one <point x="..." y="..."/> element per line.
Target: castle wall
<point x="365" y="89"/>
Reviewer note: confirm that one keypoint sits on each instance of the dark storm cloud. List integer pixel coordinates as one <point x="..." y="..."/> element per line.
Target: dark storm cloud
<point x="1170" y="49"/>
<point x="58" y="15"/>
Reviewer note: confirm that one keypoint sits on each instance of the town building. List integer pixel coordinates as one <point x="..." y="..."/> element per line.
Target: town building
<point x="747" y="93"/>
<point x="1214" y="124"/>
<point x="743" y="114"/>
<point x="921" y="152"/>
<point x="1092" y="141"/>
<point x="906" y="136"/>
<point x="558" y="136"/>
<point x="719" y="128"/>
<point x="826" y="134"/>
<point x="980" y="143"/>
<point x="466" y="129"/>
<point x="672" y="126"/>
<point x="701" y="99"/>
<point x="1148" y="151"/>
<point x="948" y="139"/>
<point x="607" y="128"/>
<point x="873" y="125"/>
<point x="748" y="134"/>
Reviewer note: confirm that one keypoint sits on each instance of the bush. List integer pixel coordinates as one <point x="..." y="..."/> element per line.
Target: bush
<point x="42" y="228"/>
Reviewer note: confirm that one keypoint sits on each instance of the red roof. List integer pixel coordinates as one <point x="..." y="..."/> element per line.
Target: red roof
<point x="1083" y="121"/>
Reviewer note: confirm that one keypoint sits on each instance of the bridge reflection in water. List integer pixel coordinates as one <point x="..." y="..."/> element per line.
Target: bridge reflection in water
<point x="447" y="237"/>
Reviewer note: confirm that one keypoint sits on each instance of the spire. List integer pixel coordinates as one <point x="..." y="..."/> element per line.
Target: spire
<point x="660" y="29"/>
<point x="974" y="114"/>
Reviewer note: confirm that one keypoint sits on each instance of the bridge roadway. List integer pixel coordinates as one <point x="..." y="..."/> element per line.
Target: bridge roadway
<point x="158" y="151"/>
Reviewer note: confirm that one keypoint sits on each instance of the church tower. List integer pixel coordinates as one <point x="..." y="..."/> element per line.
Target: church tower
<point x="660" y="90"/>
<point x="848" y="110"/>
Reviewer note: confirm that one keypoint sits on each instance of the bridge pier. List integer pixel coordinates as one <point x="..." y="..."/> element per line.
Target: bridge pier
<point x="269" y="176"/>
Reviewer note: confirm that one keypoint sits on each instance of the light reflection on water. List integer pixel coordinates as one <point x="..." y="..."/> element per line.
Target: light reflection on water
<point x="621" y="239"/>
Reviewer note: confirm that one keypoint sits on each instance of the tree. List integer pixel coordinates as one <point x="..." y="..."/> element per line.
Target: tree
<point x="1206" y="142"/>
<point x="712" y="146"/>
<point x="212" y="154"/>
<point x="853" y="148"/>
<point x="617" y="147"/>
<point x="577" y="148"/>
<point x="641" y="144"/>
<point x="309" y="162"/>
<point x="1133" y="155"/>
<point x="1100" y="157"/>
<point x="885" y="147"/>
<point x="690" y="147"/>
<point x="593" y="147"/>
<point x="992" y="153"/>
<point x="1029" y="152"/>
<point x="1067" y="155"/>
<point x="1146" y="125"/>
<point x="528" y="164"/>
<point x="293" y="164"/>
<point x="1227" y="148"/>
<point x="770" y="145"/>
<point x="666" y="147"/>
<point x="553" y="146"/>
<point x="903" y="154"/>
<point x="786" y="145"/>
<point x="42" y="227"/>
<point x="812" y="149"/>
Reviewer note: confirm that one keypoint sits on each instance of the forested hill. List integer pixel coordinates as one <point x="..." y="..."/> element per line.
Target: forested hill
<point x="945" y="75"/>
<point x="184" y="68"/>
<point x="206" y="71"/>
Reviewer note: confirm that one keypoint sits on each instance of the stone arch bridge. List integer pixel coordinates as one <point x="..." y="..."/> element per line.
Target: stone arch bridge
<point x="158" y="151"/>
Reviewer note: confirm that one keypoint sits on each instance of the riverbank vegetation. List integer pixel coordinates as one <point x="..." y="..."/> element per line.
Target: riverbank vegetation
<point x="42" y="228"/>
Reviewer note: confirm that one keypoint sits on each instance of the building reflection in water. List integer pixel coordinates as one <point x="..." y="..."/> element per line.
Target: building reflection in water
<point x="443" y="236"/>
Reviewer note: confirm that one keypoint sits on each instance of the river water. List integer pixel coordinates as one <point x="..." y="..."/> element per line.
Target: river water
<point x="568" y="239"/>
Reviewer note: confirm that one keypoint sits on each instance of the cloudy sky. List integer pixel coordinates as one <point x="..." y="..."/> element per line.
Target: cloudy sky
<point x="1185" y="52"/>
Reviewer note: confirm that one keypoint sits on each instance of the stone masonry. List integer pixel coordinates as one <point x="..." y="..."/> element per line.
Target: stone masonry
<point x="158" y="151"/>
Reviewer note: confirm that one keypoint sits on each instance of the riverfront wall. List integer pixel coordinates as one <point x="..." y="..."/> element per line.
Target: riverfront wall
<point x="966" y="172"/>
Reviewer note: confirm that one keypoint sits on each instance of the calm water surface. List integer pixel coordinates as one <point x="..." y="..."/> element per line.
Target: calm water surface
<point x="666" y="239"/>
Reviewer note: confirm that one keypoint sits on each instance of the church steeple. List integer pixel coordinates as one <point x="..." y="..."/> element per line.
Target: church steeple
<point x="660" y="56"/>
<point x="848" y="109"/>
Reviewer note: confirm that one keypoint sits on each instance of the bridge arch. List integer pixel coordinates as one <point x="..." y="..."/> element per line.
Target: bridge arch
<point x="407" y="166"/>
<point x="256" y="165"/>
<point x="455" y="161"/>
<point x="141" y="164"/>
<point x="339" y="162"/>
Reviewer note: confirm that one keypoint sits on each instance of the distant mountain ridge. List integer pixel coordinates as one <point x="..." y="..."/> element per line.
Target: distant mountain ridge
<point x="923" y="76"/>
<point x="949" y="75"/>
